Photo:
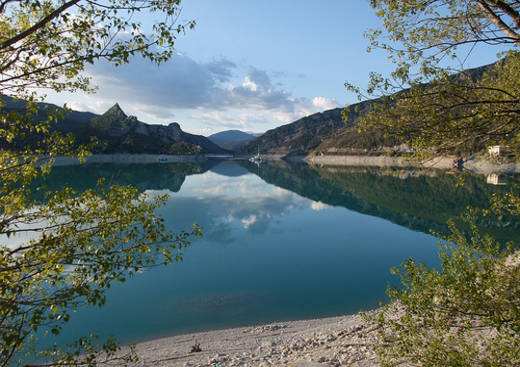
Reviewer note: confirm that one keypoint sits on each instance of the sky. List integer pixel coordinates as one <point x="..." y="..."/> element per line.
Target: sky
<point x="247" y="65"/>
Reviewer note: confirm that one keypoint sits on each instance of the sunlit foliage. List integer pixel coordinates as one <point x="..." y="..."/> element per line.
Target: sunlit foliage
<point x="64" y="250"/>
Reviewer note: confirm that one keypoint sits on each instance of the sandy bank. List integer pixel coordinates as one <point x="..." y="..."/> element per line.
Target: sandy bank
<point x="336" y="341"/>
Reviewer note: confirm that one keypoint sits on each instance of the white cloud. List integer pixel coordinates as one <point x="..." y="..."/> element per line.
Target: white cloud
<point x="249" y="84"/>
<point x="324" y="103"/>
<point x="215" y="95"/>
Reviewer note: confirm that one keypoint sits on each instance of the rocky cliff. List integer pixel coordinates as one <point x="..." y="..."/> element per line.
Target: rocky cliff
<point x="126" y="134"/>
<point x="117" y="132"/>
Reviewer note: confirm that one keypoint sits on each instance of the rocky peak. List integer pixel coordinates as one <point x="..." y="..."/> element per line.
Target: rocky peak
<point x="174" y="125"/>
<point x="116" y="110"/>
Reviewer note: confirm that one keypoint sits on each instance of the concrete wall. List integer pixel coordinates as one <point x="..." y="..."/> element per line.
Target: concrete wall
<point x="131" y="158"/>
<point x="473" y="164"/>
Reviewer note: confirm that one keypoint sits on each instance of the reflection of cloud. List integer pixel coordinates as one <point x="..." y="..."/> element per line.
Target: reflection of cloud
<point x="221" y="204"/>
<point x="248" y="221"/>
<point x="318" y="206"/>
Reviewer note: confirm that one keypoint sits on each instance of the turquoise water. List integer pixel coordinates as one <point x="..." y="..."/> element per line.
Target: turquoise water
<point x="281" y="242"/>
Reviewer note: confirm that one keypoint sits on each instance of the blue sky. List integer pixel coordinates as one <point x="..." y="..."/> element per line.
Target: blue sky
<point x="248" y="65"/>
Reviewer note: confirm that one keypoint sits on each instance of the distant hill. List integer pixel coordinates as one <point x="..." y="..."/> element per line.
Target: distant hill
<point x="327" y="133"/>
<point x="121" y="133"/>
<point x="232" y="139"/>
<point x="230" y="136"/>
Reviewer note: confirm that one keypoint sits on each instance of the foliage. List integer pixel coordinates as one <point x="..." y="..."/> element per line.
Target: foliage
<point x="441" y="111"/>
<point x="47" y="43"/>
<point x="466" y="314"/>
<point x="65" y="249"/>
<point x="80" y="244"/>
<point x="455" y="115"/>
<point x="184" y="148"/>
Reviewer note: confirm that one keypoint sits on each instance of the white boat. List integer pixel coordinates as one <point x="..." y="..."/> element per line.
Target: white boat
<point x="257" y="159"/>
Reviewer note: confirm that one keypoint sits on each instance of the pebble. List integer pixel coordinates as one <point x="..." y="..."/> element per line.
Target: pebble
<point x="267" y="344"/>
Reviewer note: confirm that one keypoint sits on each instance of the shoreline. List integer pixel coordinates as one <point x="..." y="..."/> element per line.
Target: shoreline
<point x="472" y="164"/>
<point x="331" y="341"/>
<point x="126" y="158"/>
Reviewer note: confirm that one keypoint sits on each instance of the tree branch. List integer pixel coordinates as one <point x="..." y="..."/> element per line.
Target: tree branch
<point x="38" y="25"/>
<point x="496" y="20"/>
<point x="509" y="10"/>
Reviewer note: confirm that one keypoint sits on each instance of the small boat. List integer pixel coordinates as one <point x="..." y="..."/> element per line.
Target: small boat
<point x="257" y="159"/>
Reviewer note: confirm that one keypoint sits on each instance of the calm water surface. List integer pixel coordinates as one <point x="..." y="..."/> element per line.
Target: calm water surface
<point x="281" y="242"/>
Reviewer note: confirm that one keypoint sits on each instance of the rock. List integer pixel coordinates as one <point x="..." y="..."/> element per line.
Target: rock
<point x="267" y="344"/>
<point x="305" y="364"/>
<point x="213" y="360"/>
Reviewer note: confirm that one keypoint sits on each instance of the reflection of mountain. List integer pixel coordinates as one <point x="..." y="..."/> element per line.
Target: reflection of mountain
<point x="420" y="202"/>
<point x="229" y="169"/>
<point x="142" y="176"/>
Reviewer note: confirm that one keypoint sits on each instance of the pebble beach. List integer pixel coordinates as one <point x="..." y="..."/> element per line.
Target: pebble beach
<point x="337" y="341"/>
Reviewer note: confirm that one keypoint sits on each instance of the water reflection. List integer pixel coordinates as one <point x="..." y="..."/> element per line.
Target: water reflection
<point x="281" y="241"/>
<point x="496" y="179"/>
<point x="418" y="199"/>
<point x="169" y="176"/>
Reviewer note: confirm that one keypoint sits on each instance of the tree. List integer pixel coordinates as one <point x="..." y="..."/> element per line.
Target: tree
<point x="64" y="251"/>
<point x="447" y="109"/>
<point x="467" y="313"/>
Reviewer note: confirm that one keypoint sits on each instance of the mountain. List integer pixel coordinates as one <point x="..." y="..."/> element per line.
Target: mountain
<point x="327" y="133"/>
<point x="306" y="134"/>
<point x="124" y="133"/>
<point x="228" y="136"/>
<point x="119" y="133"/>
<point x="232" y="139"/>
<point x="71" y="120"/>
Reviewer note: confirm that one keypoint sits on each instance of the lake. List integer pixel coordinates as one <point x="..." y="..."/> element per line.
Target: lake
<point x="281" y="241"/>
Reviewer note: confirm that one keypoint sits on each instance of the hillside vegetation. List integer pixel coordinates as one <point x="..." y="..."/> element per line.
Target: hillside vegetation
<point x="336" y="131"/>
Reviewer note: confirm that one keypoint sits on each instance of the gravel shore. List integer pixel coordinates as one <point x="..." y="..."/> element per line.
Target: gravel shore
<point x="336" y="341"/>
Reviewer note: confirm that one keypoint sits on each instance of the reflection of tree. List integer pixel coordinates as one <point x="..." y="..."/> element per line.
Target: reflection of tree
<point x="142" y="176"/>
<point x="418" y="201"/>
